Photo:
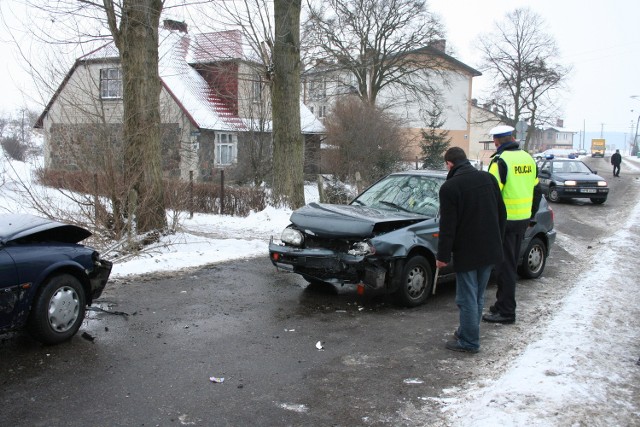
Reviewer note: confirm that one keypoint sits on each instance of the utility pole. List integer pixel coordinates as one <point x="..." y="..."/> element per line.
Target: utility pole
<point x="22" y="127"/>
<point x="635" y="140"/>
<point x="634" y="149"/>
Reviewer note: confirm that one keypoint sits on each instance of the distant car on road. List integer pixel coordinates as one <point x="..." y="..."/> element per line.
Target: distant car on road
<point x="46" y="277"/>
<point x="386" y="239"/>
<point x="563" y="179"/>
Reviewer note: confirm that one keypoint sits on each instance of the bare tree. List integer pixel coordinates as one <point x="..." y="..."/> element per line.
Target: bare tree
<point x="288" y="154"/>
<point x="135" y="32"/>
<point x="364" y="140"/>
<point x="375" y="44"/>
<point x="273" y="34"/>
<point x="133" y="26"/>
<point x="255" y="145"/>
<point x="523" y="61"/>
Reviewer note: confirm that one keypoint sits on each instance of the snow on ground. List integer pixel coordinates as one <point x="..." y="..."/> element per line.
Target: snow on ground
<point x="581" y="366"/>
<point x="582" y="370"/>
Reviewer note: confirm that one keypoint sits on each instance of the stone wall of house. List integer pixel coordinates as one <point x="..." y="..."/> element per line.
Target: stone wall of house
<point x="99" y="148"/>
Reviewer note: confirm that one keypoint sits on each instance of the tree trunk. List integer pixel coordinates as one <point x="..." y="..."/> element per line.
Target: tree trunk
<point x="138" y="46"/>
<point x="288" y="185"/>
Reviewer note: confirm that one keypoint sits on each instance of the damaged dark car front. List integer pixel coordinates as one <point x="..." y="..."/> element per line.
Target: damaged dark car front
<point x="386" y="239"/>
<point x="46" y="278"/>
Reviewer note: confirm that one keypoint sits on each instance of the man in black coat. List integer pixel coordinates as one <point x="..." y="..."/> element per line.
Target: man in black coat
<point x="472" y="224"/>
<point x="616" y="160"/>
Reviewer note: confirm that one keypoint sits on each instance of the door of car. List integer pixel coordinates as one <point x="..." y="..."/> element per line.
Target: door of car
<point x="9" y="290"/>
<point x="544" y="175"/>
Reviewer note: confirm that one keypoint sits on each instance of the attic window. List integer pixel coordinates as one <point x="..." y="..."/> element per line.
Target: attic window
<point x="110" y="83"/>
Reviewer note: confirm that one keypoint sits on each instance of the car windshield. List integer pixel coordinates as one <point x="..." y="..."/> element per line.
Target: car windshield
<point x="410" y="193"/>
<point x="570" y="167"/>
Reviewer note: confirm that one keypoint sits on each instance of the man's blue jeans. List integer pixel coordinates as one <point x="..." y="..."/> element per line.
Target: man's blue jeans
<point x="470" y="287"/>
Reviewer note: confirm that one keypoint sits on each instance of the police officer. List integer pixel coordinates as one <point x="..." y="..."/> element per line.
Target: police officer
<point x="516" y="173"/>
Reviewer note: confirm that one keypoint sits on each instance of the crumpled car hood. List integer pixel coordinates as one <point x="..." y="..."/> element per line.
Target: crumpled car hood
<point x="326" y="220"/>
<point x="36" y="229"/>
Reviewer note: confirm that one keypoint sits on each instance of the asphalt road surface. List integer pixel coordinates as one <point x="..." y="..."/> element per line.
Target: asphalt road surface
<point x="237" y="344"/>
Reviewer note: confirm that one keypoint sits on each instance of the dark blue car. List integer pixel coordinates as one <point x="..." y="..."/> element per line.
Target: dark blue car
<point x="46" y="278"/>
<point x="386" y="239"/>
<point x="564" y="179"/>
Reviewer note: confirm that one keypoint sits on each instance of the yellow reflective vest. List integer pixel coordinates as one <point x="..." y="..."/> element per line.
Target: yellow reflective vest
<point x="517" y="188"/>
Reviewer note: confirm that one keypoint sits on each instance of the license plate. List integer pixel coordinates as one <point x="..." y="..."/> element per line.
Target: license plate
<point x="588" y="190"/>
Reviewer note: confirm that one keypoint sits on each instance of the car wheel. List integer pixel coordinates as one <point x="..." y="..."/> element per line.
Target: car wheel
<point x="553" y="194"/>
<point x="416" y="282"/>
<point x="58" y="310"/>
<point x="598" y="201"/>
<point x="533" y="259"/>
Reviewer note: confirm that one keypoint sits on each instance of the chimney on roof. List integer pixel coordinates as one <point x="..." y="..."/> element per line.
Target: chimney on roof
<point x="170" y="24"/>
<point x="560" y="123"/>
<point x="440" y="44"/>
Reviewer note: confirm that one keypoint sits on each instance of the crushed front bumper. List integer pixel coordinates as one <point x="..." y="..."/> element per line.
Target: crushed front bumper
<point x="329" y="266"/>
<point x="98" y="278"/>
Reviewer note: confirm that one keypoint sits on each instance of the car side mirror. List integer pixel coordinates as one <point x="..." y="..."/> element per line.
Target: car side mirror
<point x="545" y="174"/>
<point x="595" y="172"/>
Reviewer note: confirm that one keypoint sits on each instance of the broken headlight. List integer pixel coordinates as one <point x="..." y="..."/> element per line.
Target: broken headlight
<point x="362" y="248"/>
<point x="292" y="237"/>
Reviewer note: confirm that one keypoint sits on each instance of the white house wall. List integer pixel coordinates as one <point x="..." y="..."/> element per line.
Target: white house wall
<point x="482" y="121"/>
<point x="453" y="92"/>
<point x="78" y="102"/>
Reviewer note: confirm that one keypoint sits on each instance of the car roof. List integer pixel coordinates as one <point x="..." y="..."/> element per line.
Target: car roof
<point x="19" y="226"/>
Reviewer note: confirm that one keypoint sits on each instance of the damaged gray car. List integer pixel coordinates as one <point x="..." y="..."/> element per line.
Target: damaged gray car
<point x="386" y="239"/>
<point x="46" y="277"/>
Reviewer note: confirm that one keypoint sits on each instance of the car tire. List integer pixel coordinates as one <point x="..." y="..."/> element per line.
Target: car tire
<point x="416" y="282"/>
<point x="58" y="310"/>
<point x="598" y="201"/>
<point x="553" y="194"/>
<point x="533" y="259"/>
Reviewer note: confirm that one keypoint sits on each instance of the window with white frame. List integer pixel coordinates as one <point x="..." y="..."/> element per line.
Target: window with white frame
<point x="318" y="89"/>
<point x="110" y="83"/>
<point x="226" y="148"/>
<point x="256" y="88"/>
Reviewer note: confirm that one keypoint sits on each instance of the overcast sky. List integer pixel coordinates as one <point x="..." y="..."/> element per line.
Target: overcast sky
<point x="600" y="39"/>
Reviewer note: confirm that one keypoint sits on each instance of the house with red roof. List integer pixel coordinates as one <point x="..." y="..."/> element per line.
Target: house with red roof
<point x="215" y="109"/>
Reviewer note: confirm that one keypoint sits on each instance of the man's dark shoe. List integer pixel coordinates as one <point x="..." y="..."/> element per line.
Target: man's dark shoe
<point x="455" y="346"/>
<point x="499" y="318"/>
<point x="493" y="309"/>
<point x="455" y="335"/>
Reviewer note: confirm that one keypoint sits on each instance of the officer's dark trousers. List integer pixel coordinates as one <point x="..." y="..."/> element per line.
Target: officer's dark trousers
<point x="506" y="273"/>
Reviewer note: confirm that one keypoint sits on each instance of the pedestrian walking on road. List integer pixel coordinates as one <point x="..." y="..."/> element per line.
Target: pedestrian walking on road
<point x="472" y="222"/>
<point x="516" y="172"/>
<point x="616" y="160"/>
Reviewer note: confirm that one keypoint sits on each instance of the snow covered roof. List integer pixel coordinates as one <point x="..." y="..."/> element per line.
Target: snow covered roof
<point x="188" y="88"/>
<point x="200" y="102"/>
<point x="558" y="129"/>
